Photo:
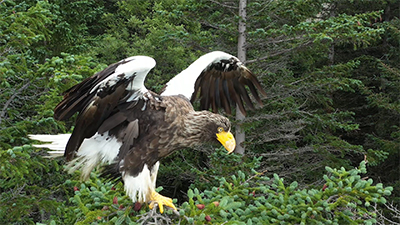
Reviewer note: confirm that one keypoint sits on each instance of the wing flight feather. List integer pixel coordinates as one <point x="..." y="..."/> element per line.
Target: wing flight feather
<point x="97" y="98"/>
<point x="219" y="80"/>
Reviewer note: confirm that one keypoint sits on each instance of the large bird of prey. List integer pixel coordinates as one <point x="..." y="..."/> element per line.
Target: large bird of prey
<point x="129" y="129"/>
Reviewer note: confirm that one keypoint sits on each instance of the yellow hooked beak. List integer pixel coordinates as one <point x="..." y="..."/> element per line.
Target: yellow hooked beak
<point x="227" y="140"/>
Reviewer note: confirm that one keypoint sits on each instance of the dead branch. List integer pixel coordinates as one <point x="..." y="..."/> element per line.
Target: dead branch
<point x="394" y="211"/>
<point x="224" y="5"/>
<point x="277" y="53"/>
<point x="3" y="111"/>
<point x="152" y="217"/>
<point x="276" y="40"/>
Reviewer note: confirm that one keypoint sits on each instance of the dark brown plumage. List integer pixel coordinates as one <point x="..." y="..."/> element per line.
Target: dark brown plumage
<point x="130" y="128"/>
<point x="166" y="125"/>
<point x="222" y="86"/>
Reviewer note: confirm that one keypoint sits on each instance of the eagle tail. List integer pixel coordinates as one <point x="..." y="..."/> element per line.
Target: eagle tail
<point x="56" y="143"/>
<point x="93" y="151"/>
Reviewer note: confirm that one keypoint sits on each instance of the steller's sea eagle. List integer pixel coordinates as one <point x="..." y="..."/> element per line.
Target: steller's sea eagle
<point x="128" y="128"/>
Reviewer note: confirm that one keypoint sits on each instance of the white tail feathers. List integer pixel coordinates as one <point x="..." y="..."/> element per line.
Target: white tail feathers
<point x="100" y="148"/>
<point x="57" y="143"/>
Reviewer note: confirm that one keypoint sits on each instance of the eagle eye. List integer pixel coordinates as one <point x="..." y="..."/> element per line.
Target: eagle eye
<point x="220" y="129"/>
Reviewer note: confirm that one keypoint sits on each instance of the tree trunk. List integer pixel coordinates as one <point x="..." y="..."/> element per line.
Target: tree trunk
<point x="240" y="135"/>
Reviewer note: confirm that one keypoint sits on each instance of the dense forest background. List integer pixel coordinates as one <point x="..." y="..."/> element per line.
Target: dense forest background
<point x="323" y="149"/>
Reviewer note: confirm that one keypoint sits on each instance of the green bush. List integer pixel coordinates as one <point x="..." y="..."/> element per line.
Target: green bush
<point x="31" y="187"/>
<point x="345" y="198"/>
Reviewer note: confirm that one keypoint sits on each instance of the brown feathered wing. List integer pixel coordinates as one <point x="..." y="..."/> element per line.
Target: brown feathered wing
<point x="96" y="98"/>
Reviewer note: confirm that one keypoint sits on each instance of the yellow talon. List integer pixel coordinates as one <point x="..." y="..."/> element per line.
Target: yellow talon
<point x="161" y="201"/>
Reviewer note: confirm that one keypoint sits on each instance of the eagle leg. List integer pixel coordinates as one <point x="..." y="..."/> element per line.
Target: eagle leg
<point x="160" y="200"/>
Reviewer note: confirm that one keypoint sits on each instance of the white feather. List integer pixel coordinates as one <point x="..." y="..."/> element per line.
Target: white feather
<point x="57" y="145"/>
<point x="93" y="151"/>
<point x="183" y="83"/>
<point x="136" y="65"/>
<point x="153" y="174"/>
<point x="140" y="66"/>
<point x="141" y="186"/>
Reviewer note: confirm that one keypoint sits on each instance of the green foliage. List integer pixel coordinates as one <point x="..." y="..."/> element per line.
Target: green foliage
<point x="346" y="198"/>
<point x="23" y="26"/>
<point x="344" y="29"/>
<point x="62" y="73"/>
<point x="97" y="202"/>
<point x="41" y="93"/>
<point x="219" y="163"/>
<point x="156" y="29"/>
<point x="75" y="25"/>
<point x="29" y="186"/>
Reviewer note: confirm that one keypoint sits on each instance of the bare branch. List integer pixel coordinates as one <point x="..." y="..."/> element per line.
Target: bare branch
<point x="289" y="152"/>
<point x="278" y="53"/>
<point x="3" y="111"/>
<point x="276" y="40"/>
<point x="263" y="10"/>
<point x="152" y="217"/>
<point x="224" y="5"/>
<point x="395" y="214"/>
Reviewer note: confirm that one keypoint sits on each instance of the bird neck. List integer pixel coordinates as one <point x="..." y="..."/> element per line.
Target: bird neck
<point x="195" y="127"/>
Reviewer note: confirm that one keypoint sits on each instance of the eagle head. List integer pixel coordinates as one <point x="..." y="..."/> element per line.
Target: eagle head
<point x="211" y="127"/>
<point x="221" y="129"/>
<point x="225" y="137"/>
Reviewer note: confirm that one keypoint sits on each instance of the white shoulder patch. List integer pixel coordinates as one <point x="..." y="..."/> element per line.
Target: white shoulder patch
<point x="134" y="68"/>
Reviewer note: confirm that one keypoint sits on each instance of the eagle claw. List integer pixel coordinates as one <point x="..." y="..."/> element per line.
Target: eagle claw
<point x="160" y="200"/>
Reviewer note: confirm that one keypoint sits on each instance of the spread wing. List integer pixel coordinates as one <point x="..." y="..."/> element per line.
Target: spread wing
<point x="220" y="80"/>
<point x="96" y="98"/>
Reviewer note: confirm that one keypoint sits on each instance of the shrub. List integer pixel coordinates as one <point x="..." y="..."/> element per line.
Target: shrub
<point x="345" y="198"/>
